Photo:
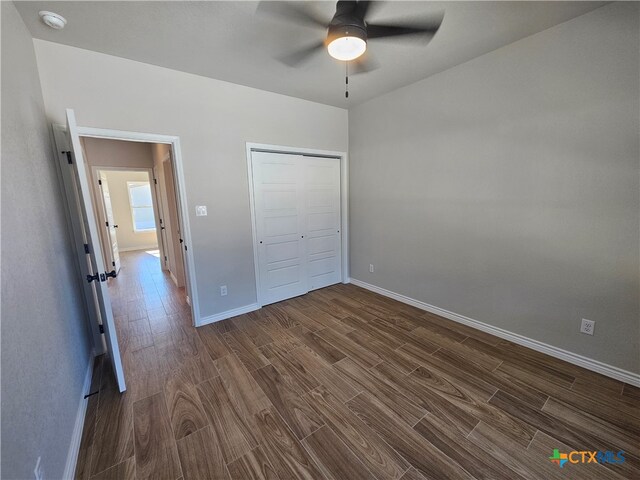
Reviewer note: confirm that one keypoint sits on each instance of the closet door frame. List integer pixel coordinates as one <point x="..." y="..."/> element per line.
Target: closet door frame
<point x="344" y="202"/>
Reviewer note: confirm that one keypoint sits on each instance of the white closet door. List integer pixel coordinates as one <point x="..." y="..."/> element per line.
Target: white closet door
<point x="322" y="221"/>
<point x="279" y="214"/>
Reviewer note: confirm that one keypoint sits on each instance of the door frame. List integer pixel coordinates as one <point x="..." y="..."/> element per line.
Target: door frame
<point x="174" y="141"/>
<point x="344" y="201"/>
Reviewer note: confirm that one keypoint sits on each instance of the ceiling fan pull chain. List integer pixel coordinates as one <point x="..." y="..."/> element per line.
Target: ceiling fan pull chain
<point x="346" y="80"/>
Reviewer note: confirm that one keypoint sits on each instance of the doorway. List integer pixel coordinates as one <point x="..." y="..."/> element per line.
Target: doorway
<point x="126" y="210"/>
<point x="141" y="288"/>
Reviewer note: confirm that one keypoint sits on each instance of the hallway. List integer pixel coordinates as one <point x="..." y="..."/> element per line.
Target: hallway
<point x="152" y="320"/>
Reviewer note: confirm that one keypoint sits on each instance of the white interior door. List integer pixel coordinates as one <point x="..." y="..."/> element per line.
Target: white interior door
<point x="279" y="215"/>
<point x="95" y="262"/>
<point x="110" y="221"/>
<point x="322" y="221"/>
<point x="160" y="216"/>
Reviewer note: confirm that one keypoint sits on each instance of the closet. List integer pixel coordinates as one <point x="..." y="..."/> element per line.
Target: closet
<point x="296" y="204"/>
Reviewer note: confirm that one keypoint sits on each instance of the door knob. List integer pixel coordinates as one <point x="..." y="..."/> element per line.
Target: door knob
<point x="115" y="226"/>
<point x="91" y="278"/>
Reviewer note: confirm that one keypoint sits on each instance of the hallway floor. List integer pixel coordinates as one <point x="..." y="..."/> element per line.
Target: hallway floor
<point x="340" y="383"/>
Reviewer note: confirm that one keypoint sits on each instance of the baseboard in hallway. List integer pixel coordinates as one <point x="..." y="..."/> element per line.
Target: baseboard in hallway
<point x="138" y="248"/>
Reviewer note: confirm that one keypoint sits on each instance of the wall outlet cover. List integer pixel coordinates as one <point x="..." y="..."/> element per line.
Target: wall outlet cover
<point x="371" y="268"/>
<point x="223" y="290"/>
<point x="587" y="326"/>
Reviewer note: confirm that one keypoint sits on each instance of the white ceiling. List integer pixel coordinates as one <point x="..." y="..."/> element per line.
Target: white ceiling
<point x="228" y="41"/>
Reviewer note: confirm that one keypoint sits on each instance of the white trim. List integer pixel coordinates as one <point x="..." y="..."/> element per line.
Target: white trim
<point x="582" y="361"/>
<point x="229" y="314"/>
<point x="133" y="249"/>
<point x="174" y="141"/>
<point x="76" y="437"/>
<point x="175" y="280"/>
<point x="344" y="201"/>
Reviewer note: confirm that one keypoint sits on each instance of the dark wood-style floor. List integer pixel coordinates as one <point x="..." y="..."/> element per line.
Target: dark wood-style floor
<point x="343" y="384"/>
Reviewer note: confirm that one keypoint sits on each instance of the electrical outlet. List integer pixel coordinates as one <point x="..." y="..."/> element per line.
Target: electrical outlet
<point x="587" y="326"/>
<point x="223" y="290"/>
<point x="371" y="268"/>
<point x="38" y="472"/>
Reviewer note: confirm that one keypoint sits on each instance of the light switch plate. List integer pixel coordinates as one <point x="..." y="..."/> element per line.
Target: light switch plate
<point x="201" y="210"/>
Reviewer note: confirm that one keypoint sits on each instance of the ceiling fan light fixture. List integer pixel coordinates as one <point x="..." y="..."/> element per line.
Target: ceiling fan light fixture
<point x="347" y="48"/>
<point x="346" y="42"/>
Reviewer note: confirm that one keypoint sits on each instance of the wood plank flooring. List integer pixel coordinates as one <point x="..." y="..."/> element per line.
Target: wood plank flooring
<point x="340" y="383"/>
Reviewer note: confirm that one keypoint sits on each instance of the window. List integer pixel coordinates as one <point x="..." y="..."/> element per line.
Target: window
<point x="141" y="206"/>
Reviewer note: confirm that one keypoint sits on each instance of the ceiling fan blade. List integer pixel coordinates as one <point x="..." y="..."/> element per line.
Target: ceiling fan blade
<point x="366" y="7"/>
<point x="300" y="56"/>
<point x="292" y="12"/>
<point x="363" y="64"/>
<point x="425" y="29"/>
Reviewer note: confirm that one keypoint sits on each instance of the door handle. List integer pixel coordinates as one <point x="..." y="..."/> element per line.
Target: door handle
<point x="111" y="274"/>
<point x="115" y="226"/>
<point x="91" y="278"/>
<point x="162" y="228"/>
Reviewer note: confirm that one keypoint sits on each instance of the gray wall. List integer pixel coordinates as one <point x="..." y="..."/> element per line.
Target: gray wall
<point x="214" y="120"/>
<point x="45" y="340"/>
<point x="507" y="188"/>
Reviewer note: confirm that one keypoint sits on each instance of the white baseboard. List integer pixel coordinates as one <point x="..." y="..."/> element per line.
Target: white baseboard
<point x="585" y="362"/>
<point x="228" y="314"/>
<point x="142" y="247"/>
<point x="74" y="447"/>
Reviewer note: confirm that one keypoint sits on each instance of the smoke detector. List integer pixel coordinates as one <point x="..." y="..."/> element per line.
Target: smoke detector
<point x="53" y="19"/>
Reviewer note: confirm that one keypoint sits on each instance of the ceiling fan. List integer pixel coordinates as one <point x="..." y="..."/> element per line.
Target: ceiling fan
<point x="348" y="31"/>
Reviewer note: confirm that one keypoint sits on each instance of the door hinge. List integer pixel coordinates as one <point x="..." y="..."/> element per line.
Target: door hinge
<point x="86" y="248"/>
<point x="106" y="223"/>
<point x="101" y="328"/>
<point x="91" y="278"/>
<point x="99" y="182"/>
<point x="155" y="181"/>
<point x="113" y="264"/>
<point x="69" y="157"/>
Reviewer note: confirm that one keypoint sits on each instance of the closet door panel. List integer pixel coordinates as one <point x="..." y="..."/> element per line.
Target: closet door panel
<point x="279" y="212"/>
<point x="322" y="221"/>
